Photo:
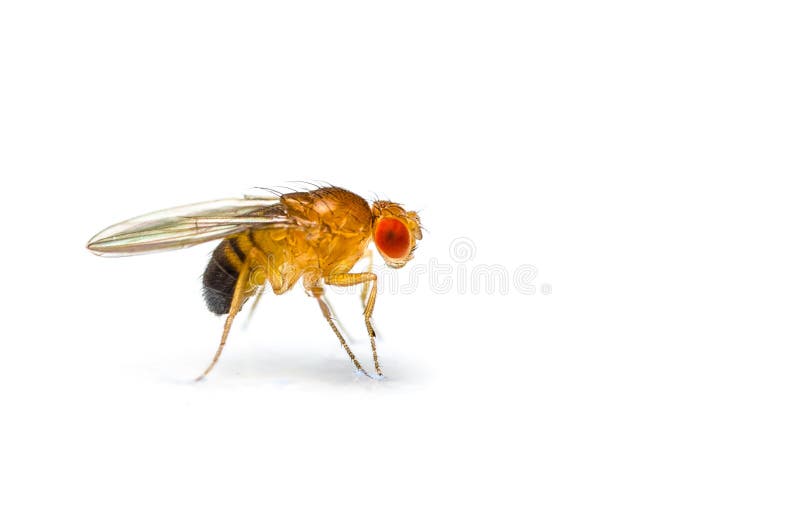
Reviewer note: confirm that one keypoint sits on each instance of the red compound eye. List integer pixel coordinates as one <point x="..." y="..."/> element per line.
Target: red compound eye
<point x="392" y="238"/>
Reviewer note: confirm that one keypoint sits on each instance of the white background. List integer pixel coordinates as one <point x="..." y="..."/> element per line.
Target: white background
<point x="643" y="157"/>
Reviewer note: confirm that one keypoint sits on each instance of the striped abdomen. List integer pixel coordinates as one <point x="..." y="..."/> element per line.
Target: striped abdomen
<point x="219" y="279"/>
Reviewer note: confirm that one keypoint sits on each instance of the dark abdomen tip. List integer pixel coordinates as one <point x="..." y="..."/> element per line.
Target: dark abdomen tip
<point x="219" y="281"/>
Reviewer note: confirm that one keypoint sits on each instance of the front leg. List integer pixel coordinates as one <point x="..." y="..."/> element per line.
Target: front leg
<point x="349" y="279"/>
<point x="365" y="287"/>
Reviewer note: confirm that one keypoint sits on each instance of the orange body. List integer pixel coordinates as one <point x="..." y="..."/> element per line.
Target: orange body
<point x="331" y="232"/>
<point x="316" y="235"/>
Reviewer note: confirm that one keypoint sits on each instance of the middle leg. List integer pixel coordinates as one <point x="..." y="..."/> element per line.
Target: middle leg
<point x="349" y="279"/>
<point x="319" y="293"/>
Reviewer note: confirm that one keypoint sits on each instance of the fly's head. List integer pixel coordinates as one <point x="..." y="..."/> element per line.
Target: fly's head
<point x="395" y="232"/>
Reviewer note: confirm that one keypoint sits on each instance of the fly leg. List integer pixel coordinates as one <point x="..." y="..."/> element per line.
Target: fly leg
<point x="319" y="293"/>
<point x="348" y="279"/>
<point x="256" y="300"/>
<point x="245" y="285"/>
<point x="365" y="286"/>
<point x="336" y="318"/>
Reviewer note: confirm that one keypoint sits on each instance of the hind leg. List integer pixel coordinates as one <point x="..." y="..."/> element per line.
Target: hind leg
<point x="244" y="288"/>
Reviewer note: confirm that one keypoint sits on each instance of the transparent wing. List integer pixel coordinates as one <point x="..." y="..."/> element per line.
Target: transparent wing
<point x="188" y="225"/>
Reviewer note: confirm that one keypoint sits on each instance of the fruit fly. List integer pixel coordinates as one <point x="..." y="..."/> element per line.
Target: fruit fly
<point x="315" y="236"/>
